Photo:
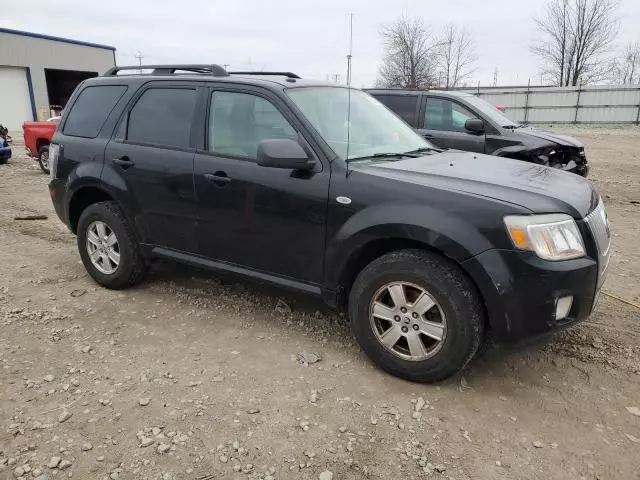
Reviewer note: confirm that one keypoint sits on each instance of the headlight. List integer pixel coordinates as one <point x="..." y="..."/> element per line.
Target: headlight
<point x="552" y="237"/>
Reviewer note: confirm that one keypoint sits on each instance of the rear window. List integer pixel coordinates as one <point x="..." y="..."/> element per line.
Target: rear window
<point x="163" y="116"/>
<point x="402" y="105"/>
<point x="91" y="109"/>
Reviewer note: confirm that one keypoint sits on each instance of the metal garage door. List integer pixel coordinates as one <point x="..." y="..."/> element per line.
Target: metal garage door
<point x="15" y="102"/>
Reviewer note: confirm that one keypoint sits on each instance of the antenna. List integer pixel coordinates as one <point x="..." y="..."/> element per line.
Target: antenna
<point x="349" y="56"/>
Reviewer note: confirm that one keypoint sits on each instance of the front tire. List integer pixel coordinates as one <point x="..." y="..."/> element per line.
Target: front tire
<point x="108" y="246"/>
<point x="417" y="315"/>
<point x="43" y="158"/>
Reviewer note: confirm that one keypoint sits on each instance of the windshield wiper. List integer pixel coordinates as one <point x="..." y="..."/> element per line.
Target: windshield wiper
<point x="377" y="156"/>
<point x="424" y="149"/>
<point x="512" y="127"/>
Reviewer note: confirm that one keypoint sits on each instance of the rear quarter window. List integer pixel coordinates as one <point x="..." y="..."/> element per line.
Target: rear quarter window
<point x="402" y="105"/>
<point x="91" y="109"/>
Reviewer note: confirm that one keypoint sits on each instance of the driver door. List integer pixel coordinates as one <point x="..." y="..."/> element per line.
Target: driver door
<point x="443" y="125"/>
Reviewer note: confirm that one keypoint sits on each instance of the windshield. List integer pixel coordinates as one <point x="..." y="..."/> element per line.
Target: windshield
<point x="375" y="130"/>
<point x="490" y="111"/>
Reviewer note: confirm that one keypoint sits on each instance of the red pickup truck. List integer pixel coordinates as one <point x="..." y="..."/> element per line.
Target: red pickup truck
<point x="37" y="137"/>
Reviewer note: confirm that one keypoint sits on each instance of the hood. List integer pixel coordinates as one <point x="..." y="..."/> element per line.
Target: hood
<point x="564" y="140"/>
<point x="535" y="187"/>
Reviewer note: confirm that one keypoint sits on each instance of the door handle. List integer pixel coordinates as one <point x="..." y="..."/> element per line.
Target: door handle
<point x="125" y="162"/>
<point x="219" y="178"/>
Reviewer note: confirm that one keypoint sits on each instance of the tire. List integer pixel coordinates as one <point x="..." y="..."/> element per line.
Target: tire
<point x="131" y="267"/>
<point x="43" y="158"/>
<point x="4" y="160"/>
<point x="458" y="315"/>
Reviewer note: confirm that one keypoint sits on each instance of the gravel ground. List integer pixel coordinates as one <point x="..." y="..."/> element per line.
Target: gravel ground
<point x="192" y="376"/>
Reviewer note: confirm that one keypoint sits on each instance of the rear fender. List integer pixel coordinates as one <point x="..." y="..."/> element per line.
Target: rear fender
<point x="97" y="175"/>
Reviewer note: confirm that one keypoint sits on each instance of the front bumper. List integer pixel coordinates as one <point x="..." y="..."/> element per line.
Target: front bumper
<point x="5" y="153"/>
<point x="520" y="291"/>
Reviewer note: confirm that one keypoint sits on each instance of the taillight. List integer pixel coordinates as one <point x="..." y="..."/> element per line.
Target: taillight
<point x="54" y="153"/>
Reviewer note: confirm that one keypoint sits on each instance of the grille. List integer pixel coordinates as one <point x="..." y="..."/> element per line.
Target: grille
<point x="599" y="226"/>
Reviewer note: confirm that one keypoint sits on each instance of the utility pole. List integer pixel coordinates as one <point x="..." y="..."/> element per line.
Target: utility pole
<point x="226" y="66"/>
<point x="495" y="77"/>
<point x="350" y="54"/>
<point x="139" y="56"/>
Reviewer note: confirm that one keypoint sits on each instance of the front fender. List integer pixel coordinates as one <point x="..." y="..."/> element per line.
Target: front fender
<point x="441" y="231"/>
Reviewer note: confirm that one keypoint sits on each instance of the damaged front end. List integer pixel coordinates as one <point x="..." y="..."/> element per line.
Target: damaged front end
<point x="571" y="159"/>
<point x="563" y="157"/>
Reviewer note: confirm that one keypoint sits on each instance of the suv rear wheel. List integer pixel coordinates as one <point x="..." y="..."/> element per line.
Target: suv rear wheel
<point x="416" y="315"/>
<point x="43" y="158"/>
<point x="108" y="246"/>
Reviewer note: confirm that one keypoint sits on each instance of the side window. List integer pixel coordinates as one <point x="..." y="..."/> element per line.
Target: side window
<point x="162" y="116"/>
<point x="443" y="114"/>
<point x="402" y="105"/>
<point x="238" y="122"/>
<point x="91" y="109"/>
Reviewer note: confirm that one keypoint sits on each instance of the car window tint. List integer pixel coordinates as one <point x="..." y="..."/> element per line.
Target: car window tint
<point x="443" y="114"/>
<point x="91" y="109"/>
<point x="162" y="116"/>
<point x="238" y="122"/>
<point x="402" y="105"/>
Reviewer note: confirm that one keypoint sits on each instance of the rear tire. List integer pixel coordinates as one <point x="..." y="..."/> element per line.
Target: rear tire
<point x="118" y="263"/>
<point x="43" y="158"/>
<point x="452" y="310"/>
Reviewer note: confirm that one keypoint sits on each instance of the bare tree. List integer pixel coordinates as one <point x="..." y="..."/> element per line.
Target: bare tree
<point x="409" y="59"/>
<point x="575" y="35"/>
<point x="625" y="70"/>
<point x="456" y="56"/>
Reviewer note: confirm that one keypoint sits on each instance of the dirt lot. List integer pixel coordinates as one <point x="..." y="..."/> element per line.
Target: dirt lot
<point x="189" y="376"/>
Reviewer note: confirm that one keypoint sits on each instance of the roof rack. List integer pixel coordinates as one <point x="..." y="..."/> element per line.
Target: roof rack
<point x="212" y="69"/>
<point x="275" y="74"/>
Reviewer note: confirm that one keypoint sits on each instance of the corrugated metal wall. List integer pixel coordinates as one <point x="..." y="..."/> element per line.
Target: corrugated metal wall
<point x="593" y="104"/>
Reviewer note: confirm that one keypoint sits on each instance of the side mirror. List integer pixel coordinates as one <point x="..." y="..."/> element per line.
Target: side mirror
<point x="283" y="153"/>
<point x="474" y="125"/>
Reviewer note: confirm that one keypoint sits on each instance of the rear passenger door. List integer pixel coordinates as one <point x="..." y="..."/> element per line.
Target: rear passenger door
<point x="442" y="123"/>
<point x="151" y="157"/>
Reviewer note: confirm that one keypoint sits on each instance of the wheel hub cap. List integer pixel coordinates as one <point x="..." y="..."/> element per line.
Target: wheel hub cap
<point x="407" y="321"/>
<point x="103" y="247"/>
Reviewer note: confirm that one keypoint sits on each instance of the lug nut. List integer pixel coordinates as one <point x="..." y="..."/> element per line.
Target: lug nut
<point x="405" y="329"/>
<point x="415" y="314"/>
<point x="416" y="327"/>
<point x="403" y="309"/>
<point x="397" y="318"/>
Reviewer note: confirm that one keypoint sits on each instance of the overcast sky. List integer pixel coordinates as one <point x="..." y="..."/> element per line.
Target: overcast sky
<point x="304" y="36"/>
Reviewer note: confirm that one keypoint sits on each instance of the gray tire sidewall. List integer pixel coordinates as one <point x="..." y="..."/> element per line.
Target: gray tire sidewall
<point x="40" y="152"/>
<point x="446" y="283"/>
<point x="100" y="212"/>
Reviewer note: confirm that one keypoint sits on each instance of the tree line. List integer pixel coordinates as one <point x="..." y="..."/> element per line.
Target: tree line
<point x="575" y="46"/>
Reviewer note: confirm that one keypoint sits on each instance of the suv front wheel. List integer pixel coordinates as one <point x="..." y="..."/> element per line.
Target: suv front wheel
<point x="416" y="314"/>
<point x="108" y="246"/>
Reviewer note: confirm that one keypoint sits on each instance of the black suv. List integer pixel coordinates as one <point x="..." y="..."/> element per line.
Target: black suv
<point x="321" y="189"/>
<point x="460" y="120"/>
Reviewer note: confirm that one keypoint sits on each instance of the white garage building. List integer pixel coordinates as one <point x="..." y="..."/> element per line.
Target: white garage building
<point x="40" y="71"/>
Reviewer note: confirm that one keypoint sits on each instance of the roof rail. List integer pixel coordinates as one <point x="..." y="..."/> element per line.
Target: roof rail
<point x="212" y="69"/>
<point x="277" y="74"/>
